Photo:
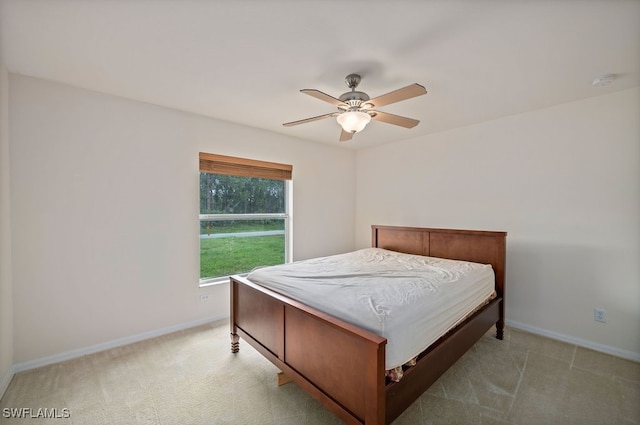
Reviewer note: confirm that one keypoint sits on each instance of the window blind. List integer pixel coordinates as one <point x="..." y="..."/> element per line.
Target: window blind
<point x="221" y="164"/>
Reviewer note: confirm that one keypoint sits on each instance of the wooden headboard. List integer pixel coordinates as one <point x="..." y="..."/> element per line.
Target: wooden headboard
<point x="478" y="246"/>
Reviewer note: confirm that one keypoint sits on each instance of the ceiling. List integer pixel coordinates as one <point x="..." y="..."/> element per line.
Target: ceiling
<point x="245" y="61"/>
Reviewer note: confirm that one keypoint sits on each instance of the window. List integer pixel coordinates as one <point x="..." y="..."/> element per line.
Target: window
<point x="244" y="215"/>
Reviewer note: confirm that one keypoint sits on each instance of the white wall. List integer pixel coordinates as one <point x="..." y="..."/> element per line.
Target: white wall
<point x="564" y="182"/>
<point x="6" y="298"/>
<point x="104" y="200"/>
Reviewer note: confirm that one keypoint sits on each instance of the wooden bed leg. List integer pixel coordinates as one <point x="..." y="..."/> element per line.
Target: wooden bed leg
<point x="500" y="322"/>
<point x="283" y="379"/>
<point x="235" y="343"/>
<point x="500" y="329"/>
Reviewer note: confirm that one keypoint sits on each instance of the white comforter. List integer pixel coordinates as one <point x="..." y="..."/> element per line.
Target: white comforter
<point x="411" y="300"/>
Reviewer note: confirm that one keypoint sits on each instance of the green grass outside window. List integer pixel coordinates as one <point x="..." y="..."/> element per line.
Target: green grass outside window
<point x="234" y="255"/>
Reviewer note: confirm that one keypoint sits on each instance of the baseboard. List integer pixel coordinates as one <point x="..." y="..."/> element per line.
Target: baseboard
<point x="6" y="380"/>
<point x="629" y="355"/>
<point x="68" y="355"/>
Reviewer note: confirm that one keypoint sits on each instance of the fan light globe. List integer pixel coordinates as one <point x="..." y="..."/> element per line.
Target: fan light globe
<point x="353" y="121"/>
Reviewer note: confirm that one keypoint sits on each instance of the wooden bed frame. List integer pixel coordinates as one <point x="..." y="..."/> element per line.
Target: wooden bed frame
<point x="342" y="365"/>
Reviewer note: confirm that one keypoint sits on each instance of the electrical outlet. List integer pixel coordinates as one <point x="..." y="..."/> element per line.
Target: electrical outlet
<point x="204" y="298"/>
<point x="599" y="315"/>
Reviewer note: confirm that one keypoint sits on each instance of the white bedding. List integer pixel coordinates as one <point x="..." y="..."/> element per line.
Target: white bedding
<point x="411" y="300"/>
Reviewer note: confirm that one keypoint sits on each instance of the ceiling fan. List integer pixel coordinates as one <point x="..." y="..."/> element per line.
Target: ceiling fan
<point x="356" y="109"/>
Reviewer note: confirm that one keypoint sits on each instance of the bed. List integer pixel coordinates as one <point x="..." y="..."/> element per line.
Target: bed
<point x="343" y="365"/>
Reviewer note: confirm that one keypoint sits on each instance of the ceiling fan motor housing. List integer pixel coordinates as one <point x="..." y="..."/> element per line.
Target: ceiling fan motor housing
<point x="354" y="98"/>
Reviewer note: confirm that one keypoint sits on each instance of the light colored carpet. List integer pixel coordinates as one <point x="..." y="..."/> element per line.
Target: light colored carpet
<point x="190" y="377"/>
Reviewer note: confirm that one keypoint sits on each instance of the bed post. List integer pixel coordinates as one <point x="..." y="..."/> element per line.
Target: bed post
<point x="500" y="322"/>
<point x="500" y="283"/>
<point x="235" y="338"/>
<point x="235" y="342"/>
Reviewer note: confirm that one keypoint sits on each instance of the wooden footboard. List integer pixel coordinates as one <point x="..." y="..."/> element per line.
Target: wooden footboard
<point x="339" y="364"/>
<point x="342" y="365"/>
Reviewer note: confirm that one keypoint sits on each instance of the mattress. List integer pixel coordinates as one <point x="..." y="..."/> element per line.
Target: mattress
<point x="411" y="300"/>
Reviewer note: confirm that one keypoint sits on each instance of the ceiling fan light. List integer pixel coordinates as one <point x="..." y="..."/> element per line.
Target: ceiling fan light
<point x="353" y="121"/>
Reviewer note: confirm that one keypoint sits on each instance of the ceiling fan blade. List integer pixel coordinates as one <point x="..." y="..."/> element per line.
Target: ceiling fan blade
<point x="394" y="119"/>
<point x="345" y="135"/>
<point x="323" y="96"/>
<point x="397" y="95"/>
<point x="306" y="120"/>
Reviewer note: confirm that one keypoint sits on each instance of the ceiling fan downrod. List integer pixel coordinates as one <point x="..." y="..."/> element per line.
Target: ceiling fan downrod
<point x="354" y="99"/>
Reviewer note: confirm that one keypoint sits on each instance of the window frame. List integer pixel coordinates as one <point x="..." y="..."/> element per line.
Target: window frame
<point x="242" y="167"/>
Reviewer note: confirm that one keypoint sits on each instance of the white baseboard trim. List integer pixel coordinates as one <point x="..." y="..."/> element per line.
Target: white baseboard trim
<point x="6" y="380"/>
<point x="629" y="355"/>
<point x="68" y="355"/>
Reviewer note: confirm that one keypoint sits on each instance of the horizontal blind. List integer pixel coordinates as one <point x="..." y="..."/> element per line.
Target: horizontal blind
<point x="220" y="164"/>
